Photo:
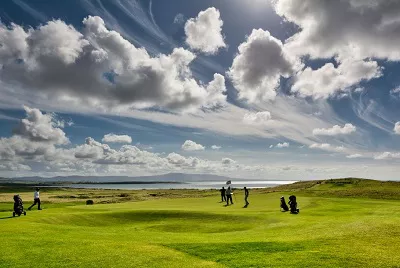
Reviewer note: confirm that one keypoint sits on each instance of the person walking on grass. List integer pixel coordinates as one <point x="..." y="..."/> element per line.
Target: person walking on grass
<point x="223" y="196"/>
<point x="36" y="199"/>
<point x="246" y="195"/>
<point x="229" y="196"/>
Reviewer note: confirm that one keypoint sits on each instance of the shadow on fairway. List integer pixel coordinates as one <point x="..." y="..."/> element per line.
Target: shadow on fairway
<point x="251" y="254"/>
<point x="4" y="218"/>
<point x="161" y="220"/>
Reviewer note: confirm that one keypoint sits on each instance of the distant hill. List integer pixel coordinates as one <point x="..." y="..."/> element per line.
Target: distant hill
<point x="170" y="177"/>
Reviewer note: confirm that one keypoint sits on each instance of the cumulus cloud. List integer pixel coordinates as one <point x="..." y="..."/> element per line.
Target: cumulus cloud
<point x="329" y="80"/>
<point x="98" y="67"/>
<point x="335" y="130"/>
<point x="327" y="147"/>
<point x="258" y="66"/>
<point x="387" y="155"/>
<point x="364" y="29"/>
<point x="228" y="161"/>
<point x="40" y="127"/>
<point x="189" y="145"/>
<point x="113" y="138"/>
<point x="34" y="139"/>
<point x="204" y="32"/>
<point x="257" y="118"/>
<point x="92" y="149"/>
<point x="396" y="128"/>
<point x="354" y="156"/>
<point x="216" y="147"/>
<point x="10" y="166"/>
<point x="282" y="145"/>
<point x="17" y="147"/>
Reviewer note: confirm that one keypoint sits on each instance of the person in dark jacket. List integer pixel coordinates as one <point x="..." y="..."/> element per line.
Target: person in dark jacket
<point x="246" y="195"/>
<point x="223" y="196"/>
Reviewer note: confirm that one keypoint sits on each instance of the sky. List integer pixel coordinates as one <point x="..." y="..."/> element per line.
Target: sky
<point x="252" y="89"/>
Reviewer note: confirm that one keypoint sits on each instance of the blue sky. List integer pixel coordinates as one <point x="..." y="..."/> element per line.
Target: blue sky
<point x="246" y="88"/>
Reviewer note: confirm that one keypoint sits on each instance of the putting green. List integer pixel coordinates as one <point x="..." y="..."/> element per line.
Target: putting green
<point x="201" y="232"/>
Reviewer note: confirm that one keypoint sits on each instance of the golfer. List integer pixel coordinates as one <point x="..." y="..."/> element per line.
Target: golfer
<point x="246" y="195"/>
<point x="229" y="196"/>
<point x="223" y="196"/>
<point x="36" y="199"/>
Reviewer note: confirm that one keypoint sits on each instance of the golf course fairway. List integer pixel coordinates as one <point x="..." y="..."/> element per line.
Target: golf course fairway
<point x="331" y="230"/>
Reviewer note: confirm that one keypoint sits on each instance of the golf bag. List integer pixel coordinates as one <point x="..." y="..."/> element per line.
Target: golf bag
<point x="284" y="206"/>
<point x="18" y="206"/>
<point x="293" y="204"/>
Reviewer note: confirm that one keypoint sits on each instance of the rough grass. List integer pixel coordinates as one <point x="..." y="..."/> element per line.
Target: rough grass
<point x="162" y="230"/>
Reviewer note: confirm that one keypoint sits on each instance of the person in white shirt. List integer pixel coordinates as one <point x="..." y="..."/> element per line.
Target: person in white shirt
<point x="36" y="199"/>
<point x="229" y="196"/>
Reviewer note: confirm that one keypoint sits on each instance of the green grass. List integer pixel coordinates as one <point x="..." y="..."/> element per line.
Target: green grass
<point x="348" y="223"/>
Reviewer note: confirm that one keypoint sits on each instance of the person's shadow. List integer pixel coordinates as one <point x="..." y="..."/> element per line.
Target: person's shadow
<point x="245" y="206"/>
<point x="4" y="218"/>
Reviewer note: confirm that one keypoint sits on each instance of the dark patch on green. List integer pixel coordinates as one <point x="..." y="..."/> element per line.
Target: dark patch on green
<point x="162" y="221"/>
<point x="209" y="249"/>
<point x="313" y="253"/>
<point x="244" y="254"/>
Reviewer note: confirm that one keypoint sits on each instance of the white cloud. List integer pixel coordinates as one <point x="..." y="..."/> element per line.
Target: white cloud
<point x="258" y="66"/>
<point x="216" y="147"/>
<point x="354" y="156"/>
<point x="204" y="32"/>
<point x="257" y="118"/>
<point x="329" y="80"/>
<point x="11" y="166"/>
<point x="396" y="128"/>
<point x="228" y="161"/>
<point x="99" y="68"/>
<point x="395" y="92"/>
<point x="271" y="146"/>
<point x="189" y="145"/>
<point x="335" y="130"/>
<point x="113" y="138"/>
<point x="179" y="19"/>
<point x="327" y="147"/>
<point x="282" y="145"/>
<point x="364" y="29"/>
<point x="34" y="139"/>
<point x="387" y="155"/>
<point x="41" y="127"/>
<point x="359" y="90"/>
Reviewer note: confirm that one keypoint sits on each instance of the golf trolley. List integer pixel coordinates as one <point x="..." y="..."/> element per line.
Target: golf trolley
<point x="18" y="206"/>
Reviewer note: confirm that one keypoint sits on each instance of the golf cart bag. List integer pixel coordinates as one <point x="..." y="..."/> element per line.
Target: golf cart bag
<point x="18" y="206"/>
<point x="293" y="204"/>
<point x="284" y="206"/>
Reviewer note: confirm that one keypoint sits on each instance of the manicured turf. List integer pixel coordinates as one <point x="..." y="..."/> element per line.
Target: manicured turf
<point x="201" y="232"/>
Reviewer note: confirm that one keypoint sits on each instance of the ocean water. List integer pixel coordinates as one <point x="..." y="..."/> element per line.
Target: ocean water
<point x="188" y="185"/>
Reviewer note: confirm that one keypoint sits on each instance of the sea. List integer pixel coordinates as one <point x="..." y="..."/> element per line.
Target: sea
<point x="187" y="185"/>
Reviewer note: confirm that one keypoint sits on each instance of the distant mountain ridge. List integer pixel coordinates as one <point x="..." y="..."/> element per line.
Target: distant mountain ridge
<point x="169" y="177"/>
